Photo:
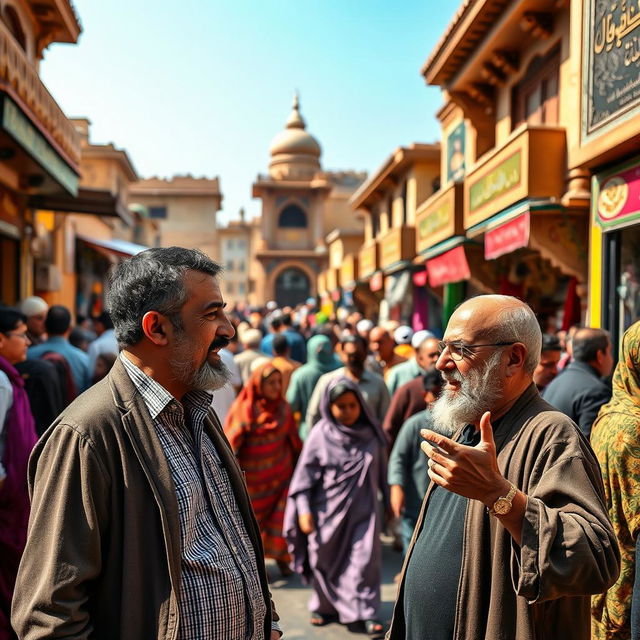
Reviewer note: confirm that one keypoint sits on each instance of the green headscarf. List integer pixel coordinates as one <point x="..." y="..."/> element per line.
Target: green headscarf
<point x="615" y="438"/>
<point x="320" y="360"/>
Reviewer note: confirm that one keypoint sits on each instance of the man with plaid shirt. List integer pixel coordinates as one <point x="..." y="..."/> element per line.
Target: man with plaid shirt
<point x="141" y="526"/>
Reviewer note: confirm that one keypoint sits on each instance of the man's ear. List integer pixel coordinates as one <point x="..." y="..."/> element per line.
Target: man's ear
<point x="517" y="356"/>
<point x="154" y="327"/>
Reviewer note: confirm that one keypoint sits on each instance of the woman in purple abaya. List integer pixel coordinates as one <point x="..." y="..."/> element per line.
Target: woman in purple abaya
<point x="332" y="521"/>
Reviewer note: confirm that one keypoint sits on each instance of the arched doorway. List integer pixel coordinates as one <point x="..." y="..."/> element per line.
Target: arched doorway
<point x="292" y="287"/>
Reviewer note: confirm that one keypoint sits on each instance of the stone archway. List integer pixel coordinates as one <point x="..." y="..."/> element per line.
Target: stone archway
<point x="292" y="286"/>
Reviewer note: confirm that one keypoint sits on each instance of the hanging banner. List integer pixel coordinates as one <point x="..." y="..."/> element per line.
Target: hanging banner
<point x="507" y="237"/>
<point x="451" y="266"/>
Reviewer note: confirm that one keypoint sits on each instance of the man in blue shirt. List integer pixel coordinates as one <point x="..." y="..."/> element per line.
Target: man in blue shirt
<point x="58" y="326"/>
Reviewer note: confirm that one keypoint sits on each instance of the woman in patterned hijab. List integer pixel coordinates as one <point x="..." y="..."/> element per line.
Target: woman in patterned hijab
<point x="615" y="438"/>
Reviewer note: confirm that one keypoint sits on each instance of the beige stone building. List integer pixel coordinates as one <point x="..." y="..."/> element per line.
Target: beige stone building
<point x="234" y="254"/>
<point x="301" y="204"/>
<point x="185" y="208"/>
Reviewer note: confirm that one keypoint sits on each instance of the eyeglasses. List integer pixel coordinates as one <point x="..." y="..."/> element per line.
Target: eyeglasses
<point x="24" y="336"/>
<point x="459" y="350"/>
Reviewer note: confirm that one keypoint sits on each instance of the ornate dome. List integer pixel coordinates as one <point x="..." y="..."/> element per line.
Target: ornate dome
<point x="295" y="153"/>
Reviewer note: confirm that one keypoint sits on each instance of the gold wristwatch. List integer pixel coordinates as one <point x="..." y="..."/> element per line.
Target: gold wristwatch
<point x="503" y="504"/>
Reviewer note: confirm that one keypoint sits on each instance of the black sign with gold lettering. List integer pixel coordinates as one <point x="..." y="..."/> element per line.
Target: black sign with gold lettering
<point x="612" y="55"/>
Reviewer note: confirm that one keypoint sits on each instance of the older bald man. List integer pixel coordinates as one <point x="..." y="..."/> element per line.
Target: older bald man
<point x="513" y="536"/>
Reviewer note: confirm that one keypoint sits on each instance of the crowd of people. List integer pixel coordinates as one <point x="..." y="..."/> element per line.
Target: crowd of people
<point x="475" y="449"/>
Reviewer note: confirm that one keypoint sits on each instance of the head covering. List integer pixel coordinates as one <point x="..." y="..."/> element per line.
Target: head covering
<point x="320" y="354"/>
<point x="252" y="412"/>
<point x="420" y="336"/>
<point x="364" y="325"/>
<point x="320" y="359"/>
<point x="626" y="378"/>
<point x="33" y="305"/>
<point x="403" y="335"/>
<point x="366" y="428"/>
<point x="271" y="305"/>
<point x="615" y="439"/>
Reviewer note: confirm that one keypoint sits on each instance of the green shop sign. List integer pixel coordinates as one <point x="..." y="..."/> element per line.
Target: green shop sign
<point x="18" y="126"/>
<point x="435" y="221"/>
<point x="504" y="177"/>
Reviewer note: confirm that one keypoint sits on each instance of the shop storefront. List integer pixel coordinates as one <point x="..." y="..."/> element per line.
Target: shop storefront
<point x="443" y="253"/>
<point x="615" y="248"/>
<point x="397" y="250"/>
<point x="370" y="289"/>
<point x="533" y="247"/>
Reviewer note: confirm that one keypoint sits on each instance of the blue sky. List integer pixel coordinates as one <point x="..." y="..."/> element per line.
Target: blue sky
<point x="202" y="86"/>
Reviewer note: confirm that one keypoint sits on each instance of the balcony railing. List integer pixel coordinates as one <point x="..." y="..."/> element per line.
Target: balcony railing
<point x="531" y="164"/>
<point x="19" y="75"/>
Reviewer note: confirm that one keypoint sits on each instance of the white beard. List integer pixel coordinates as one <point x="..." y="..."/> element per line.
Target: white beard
<point x="477" y="393"/>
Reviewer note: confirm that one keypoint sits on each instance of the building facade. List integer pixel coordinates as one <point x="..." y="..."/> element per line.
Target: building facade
<point x="185" y="209"/>
<point x="235" y="255"/>
<point x="388" y="201"/>
<point x="301" y="204"/>
<point x="39" y="146"/>
<point x="511" y="215"/>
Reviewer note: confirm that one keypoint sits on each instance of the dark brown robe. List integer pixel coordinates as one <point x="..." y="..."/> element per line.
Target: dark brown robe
<point x="568" y="552"/>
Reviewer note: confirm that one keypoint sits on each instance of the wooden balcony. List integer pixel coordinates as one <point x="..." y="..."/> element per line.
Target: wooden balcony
<point x="531" y="164"/>
<point x="396" y="246"/>
<point x="439" y="217"/>
<point x="368" y="260"/>
<point x="349" y="269"/>
<point x="20" y="79"/>
<point x="333" y="279"/>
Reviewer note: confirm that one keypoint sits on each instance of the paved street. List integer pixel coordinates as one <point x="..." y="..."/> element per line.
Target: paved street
<point x="291" y="597"/>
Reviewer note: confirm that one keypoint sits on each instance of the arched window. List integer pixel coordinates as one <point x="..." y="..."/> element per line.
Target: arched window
<point x="12" y="20"/>
<point x="292" y="217"/>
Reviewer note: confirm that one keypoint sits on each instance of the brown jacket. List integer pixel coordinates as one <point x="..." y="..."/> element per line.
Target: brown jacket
<point x="102" y="559"/>
<point x="541" y="589"/>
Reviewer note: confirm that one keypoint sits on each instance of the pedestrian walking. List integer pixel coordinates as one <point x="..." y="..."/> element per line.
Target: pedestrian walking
<point x="513" y="536"/>
<point x="408" y="479"/>
<point x="332" y="521"/>
<point x="353" y="351"/>
<point x="264" y="437"/>
<point x="141" y="525"/>
<point x="320" y="360"/>
<point x="17" y="439"/>
<point x="615" y="438"/>
<point x="579" y="390"/>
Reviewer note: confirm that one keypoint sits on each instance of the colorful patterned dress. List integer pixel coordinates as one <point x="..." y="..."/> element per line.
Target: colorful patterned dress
<point x="264" y="436"/>
<point x="615" y="438"/>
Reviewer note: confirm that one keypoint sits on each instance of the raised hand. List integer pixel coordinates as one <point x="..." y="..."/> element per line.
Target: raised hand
<point x="306" y="524"/>
<point x="471" y="472"/>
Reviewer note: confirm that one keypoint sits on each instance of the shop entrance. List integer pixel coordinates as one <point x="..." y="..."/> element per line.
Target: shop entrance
<point x="9" y="270"/>
<point x="292" y="287"/>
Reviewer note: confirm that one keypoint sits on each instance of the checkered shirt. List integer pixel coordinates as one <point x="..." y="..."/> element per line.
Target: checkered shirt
<point x="220" y="595"/>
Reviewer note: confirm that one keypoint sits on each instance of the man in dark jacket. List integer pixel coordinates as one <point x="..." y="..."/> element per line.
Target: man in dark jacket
<point x="579" y="391"/>
<point x="141" y="525"/>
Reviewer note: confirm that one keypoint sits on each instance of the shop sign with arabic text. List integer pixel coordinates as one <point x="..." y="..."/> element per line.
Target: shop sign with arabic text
<point x="498" y="181"/>
<point x="612" y="56"/>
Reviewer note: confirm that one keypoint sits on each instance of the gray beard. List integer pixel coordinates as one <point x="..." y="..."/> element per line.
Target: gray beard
<point x="477" y="393"/>
<point x="207" y="378"/>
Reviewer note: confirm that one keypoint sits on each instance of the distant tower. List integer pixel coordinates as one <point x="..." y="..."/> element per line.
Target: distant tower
<point x="293" y="198"/>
